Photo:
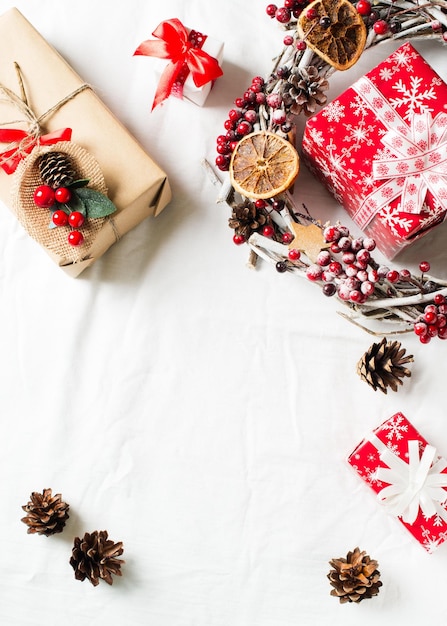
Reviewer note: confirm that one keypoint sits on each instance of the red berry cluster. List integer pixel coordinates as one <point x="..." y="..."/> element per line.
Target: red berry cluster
<point x="45" y="197"/>
<point x="290" y="9"/>
<point x="433" y="321"/>
<point x="346" y="267"/>
<point x="242" y="119"/>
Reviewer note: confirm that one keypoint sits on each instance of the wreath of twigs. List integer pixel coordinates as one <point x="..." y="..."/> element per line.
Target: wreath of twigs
<point x="342" y="266"/>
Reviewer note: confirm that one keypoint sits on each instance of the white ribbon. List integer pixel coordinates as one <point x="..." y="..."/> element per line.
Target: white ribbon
<point x="413" y="485"/>
<point x="419" y="162"/>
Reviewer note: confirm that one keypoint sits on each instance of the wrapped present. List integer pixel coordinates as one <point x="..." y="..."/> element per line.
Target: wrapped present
<point x="46" y="107"/>
<point x="408" y="476"/>
<point x="188" y="61"/>
<point x="381" y="150"/>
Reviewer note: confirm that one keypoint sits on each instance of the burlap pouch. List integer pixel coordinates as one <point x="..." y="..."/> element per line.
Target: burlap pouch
<point x="36" y="220"/>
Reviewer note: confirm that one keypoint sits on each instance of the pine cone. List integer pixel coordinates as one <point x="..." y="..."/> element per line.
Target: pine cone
<point x="94" y="557"/>
<point x="246" y="219"/>
<point x="56" y="169"/>
<point x="354" y="578"/>
<point x="46" y="514"/>
<point x="303" y="90"/>
<point x="383" y="365"/>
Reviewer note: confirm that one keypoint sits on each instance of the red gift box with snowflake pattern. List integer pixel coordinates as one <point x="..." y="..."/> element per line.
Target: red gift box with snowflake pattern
<point x="408" y="476"/>
<point x="381" y="150"/>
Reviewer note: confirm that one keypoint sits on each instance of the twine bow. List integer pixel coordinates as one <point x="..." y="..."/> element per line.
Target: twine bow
<point x="22" y="142"/>
<point x="415" y="485"/>
<point x="419" y="158"/>
<point x="175" y="44"/>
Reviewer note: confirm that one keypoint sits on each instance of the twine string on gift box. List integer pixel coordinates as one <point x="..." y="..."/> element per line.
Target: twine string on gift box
<point x="417" y="484"/>
<point x="21" y="142"/>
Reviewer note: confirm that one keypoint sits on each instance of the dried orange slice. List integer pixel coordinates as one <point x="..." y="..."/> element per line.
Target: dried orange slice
<point x="341" y="43"/>
<point x="263" y="165"/>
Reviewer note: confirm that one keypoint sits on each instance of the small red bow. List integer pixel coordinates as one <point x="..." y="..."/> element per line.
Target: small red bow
<point x="24" y="143"/>
<point x="176" y="46"/>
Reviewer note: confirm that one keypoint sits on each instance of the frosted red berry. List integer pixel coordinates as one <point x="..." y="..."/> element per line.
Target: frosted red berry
<point x="75" y="238"/>
<point x="76" y="219"/>
<point x="283" y="15"/>
<point x="59" y="218"/>
<point x="44" y="196"/>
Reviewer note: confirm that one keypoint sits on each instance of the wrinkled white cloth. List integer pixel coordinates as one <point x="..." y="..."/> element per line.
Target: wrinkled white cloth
<point x="198" y="411"/>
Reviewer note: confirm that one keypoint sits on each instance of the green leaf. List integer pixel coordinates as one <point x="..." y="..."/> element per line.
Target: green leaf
<point x="96" y="203"/>
<point x="77" y="204"/>
<point x="82" y="182"/>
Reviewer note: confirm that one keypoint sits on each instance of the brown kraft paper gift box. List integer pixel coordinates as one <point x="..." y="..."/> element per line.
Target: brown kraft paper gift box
<point x="135" y="183"/>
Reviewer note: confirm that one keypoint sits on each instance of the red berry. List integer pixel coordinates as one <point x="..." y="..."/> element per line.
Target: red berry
<point x="288" y="40"/>
<point x="75" y="238"/>
<point x="287" y="238"/>
<point x="268" y="231"/>
<point x="283" y="15"/>
<point x="430" y="317"/>
<point x="331" y="233"/>
<point x="244" y="128"/>
<point x="438" y="298"/>
<point x="313" y="272"/>
<point x="234" y="115"/>
<point x="250" y="116"/>
<point x="425" y="338"/>
<point x="76" y="219"/>
<point x="294" y="254"/>
<point x="336" y="268"/>
<point x="44" y="197"/>
<point x="271" y="10"/>
<point x="393" y="276"/>
<point x="369" y="244"/>
<point x="432" y="330"/>
<point x="363" y="7"/>
<point x="324" y="258"/>
<point x="238" y="239"/>
<point x="442" y="321"/>
<point x="301" y="45"/>
<point x="442" y="332"/>
<point x="311" y="14"/>
<point x="424" y="266"/>
<point x="380" y="27"/>
<point x="420" y="328"/>
<point x="59" y="218"/>
<point x="62" y="194"/>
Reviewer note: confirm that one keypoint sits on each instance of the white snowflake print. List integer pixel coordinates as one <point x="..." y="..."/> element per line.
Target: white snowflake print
<point x="317" y="136"/>
<point x="402" y="58"/>
<point x="387" y="73"/>
<point x="371" y="457"/>
<point x="412" y="97"/>
<point x="395" y="428"/>
<point x="392" y="218"/>
<point x="371" y="476"/>
<point x="392" y="447"/>
<point x="359" y="106"/>
<point x="334" y="111"/>
<point x="431" y="543"/>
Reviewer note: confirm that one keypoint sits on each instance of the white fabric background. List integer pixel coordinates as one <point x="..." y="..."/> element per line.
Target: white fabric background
<point x="199" y="411"/>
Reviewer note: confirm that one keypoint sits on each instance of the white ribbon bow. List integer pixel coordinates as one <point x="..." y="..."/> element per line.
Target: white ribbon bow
<point x="419" y="162"/>
<point x="413" y="485"/>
